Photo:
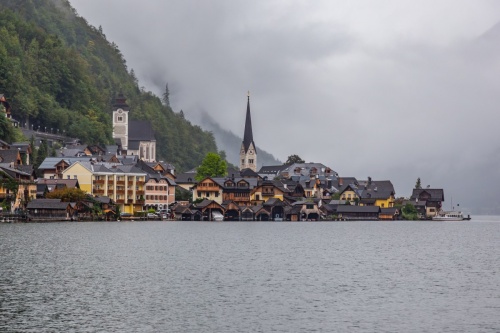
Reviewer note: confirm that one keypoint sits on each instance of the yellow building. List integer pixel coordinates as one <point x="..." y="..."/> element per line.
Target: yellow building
<point x="266" y="190"/>
<point x="81" y="171"/>
<point x="209" y="188"/>
<point x="124" y="184"/>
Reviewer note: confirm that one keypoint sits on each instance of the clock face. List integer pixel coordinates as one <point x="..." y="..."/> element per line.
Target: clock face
<point x="251" y="152"/>
<point x="243" y="151"/>
<point x="120" y="110"/>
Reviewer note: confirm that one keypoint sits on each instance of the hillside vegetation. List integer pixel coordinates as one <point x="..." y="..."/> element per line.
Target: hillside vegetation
<point x="59" y="72"/>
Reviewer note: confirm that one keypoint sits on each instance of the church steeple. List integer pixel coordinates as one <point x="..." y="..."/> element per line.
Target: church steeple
<point x="248" y="153"/>
<point x="248" y="136"/>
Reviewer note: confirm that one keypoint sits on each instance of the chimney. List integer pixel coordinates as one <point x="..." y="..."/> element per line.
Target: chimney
<point x="341" y="182"/>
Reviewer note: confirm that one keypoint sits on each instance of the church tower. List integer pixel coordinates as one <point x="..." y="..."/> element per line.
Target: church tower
<point x="120" y="121"/>
<point x="248" y="153"/>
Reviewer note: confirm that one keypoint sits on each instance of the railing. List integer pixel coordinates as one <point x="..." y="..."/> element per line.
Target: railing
<point x="120" y="182"/>
<point x="99" y="182"/>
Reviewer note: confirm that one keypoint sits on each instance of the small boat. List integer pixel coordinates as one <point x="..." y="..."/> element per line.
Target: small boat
<point x="450" y="216"/>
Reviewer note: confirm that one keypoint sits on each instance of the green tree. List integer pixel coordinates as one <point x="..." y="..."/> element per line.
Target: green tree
<point x="41" y="154"/>
<point x="212" y="166"/>
<point x="7" y="133"/>
<point x="67" y="194"/>
<point x="418" y="184"/>
<point x="294" y="159"/>
<point x="409" y="212"/>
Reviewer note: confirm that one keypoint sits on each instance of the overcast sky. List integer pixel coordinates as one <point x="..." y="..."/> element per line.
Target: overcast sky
<point x="388" y="89"/>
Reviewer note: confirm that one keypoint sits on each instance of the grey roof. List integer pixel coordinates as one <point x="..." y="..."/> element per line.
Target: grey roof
<point x="186" y="178"/>
<point x="72" y="152"/>
<point x="70" y="183"/>
<point x="305" y="169"/>
<point x="375" y="189"/>
<point x="272" y="169"/>
<point x="357" y="209"/>
<point x="389" y="210"/>
<point x="134" y="144"/>
<point x="8" y="155"/>
<point x="50" y="162"/>
<point x="47" y="204"/>
<point x="140" y="130"/>
<point x="435" y="194"/>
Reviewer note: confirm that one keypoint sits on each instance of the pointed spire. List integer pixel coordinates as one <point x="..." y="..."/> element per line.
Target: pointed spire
<point x="248" y="136"/>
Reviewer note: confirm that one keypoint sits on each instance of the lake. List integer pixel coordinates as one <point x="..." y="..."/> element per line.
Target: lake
<point x="251" y="276"/>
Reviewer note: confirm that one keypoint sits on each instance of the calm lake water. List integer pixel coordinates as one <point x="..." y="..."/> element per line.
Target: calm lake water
<point x="251" y="277"/>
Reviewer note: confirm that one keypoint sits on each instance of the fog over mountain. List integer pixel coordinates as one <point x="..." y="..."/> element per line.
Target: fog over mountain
<point x="388" y="89"/>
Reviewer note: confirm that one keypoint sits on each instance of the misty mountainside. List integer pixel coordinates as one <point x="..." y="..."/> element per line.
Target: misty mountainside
<point x="59" y="72"/>
<point x="230" y="143"/>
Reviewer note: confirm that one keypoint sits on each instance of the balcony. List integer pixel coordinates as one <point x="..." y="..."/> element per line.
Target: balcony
<point x="120" y="182"/>
<point x="99" y="182"/>
<point x="139" y="192"/>
<point x="139" y="183"/>
<point x="122" y="192"/>
<point x="139" y="202"/>
<point x="120" y="201"/>
<point x="130" y="192"/>
<point x="98" y="192"/>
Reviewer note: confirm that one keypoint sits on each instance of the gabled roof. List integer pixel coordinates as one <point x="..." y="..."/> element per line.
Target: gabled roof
<point x="435" y="194"/>
<point x="273" y="202"/>
<point x="247" y="173"/>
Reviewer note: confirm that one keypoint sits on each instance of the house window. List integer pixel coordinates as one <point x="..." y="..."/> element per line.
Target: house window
<point x="250" y="161"/>
<point x="75" y="177"/>
<point x="68" y="176"/>
<point x="242" y="161"/>
<point x="120" y="118"/>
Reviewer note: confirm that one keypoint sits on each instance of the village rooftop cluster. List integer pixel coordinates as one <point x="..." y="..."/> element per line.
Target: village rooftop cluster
<point x="124" y="181"/>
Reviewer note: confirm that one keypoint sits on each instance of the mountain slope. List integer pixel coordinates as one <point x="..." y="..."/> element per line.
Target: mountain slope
<point x="59" y="72"/>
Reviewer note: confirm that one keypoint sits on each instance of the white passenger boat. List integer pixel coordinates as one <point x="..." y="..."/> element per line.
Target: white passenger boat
<point x="450" y="216"/>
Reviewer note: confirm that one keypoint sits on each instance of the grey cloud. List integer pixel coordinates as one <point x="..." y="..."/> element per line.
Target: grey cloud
<point x="398" y="98"/>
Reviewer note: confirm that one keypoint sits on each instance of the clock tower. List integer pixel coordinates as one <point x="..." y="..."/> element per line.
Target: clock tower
<point x="248" y="151"/>
<point x="120" y="121"/>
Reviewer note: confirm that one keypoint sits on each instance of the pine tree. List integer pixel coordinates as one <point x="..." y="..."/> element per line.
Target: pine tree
<point x="418" y="184"/>
<point x="166" y="96"/>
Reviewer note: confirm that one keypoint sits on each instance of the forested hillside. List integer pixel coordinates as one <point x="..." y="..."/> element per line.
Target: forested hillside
<point x="59" y="72"/>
